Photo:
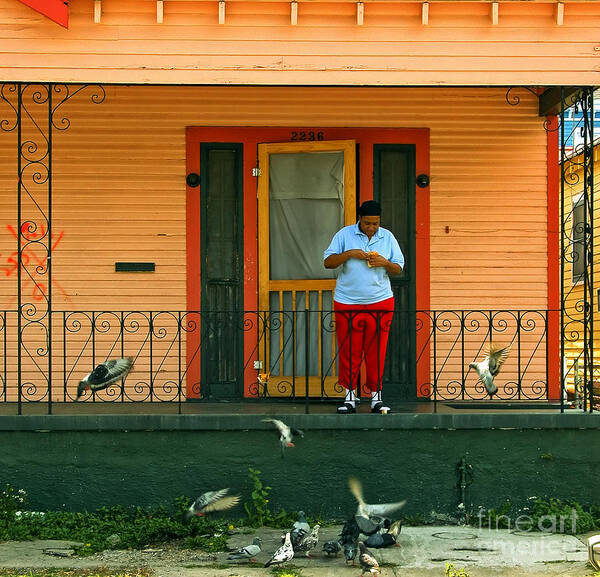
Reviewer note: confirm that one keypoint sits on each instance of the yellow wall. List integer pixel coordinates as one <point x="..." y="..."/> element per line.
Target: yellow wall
<point x="257" y="44"/>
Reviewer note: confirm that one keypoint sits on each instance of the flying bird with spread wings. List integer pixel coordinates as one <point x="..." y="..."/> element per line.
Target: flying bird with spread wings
<point x="210" y="502"/>
<point x="489" y="367"/>
<point x="105" y="374"/>
<point x="371" y="518"/>
<point x="286" y="433"/>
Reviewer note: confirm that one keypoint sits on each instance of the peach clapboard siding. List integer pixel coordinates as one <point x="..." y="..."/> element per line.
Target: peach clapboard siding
<point x="257" y="44"/>
<point x="119" y="186"/>
<point x="119" y="191"/>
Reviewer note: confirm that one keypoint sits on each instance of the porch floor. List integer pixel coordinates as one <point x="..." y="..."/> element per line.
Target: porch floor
<point x="276" y="407"/>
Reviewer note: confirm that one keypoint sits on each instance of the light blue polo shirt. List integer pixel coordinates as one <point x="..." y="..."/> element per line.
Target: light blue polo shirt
<point x="358" y="284"/>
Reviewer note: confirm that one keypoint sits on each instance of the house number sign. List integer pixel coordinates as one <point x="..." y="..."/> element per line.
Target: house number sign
<point x="306" y="135"/>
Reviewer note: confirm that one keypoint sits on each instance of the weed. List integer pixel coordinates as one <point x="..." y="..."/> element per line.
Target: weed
<point x="112" y="527"/>
<point x="258" y="509"/>
<point x="289" y="571"/>
<point x="451" y="571"/>
<point x="210" y="543"/>
<point x="547" y="515"/>
<point x="414" y="520"/>
<point x="97" y="572"/>
<point x="11" y="501"/>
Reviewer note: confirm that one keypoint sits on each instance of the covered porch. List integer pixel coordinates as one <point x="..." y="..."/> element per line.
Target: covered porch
<point x="106" y="216"/>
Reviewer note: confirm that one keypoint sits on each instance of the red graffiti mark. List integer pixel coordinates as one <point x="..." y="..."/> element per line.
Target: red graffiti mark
<point x="40" y="289"/>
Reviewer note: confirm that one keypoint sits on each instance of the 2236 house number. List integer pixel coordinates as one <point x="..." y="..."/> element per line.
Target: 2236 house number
<point x="306" y="135"/>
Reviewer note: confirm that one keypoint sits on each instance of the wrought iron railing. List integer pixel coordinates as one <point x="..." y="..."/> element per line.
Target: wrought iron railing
<point x="183" y="356"/>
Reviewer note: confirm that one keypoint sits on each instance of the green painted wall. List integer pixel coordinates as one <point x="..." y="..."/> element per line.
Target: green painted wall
<point x="85" y="469"/>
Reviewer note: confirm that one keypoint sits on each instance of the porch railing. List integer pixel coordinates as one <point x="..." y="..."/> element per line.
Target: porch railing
<point x="259" y="355"/>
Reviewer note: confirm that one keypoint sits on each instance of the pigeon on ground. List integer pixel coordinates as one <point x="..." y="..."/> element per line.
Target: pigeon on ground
<point x="371" y="518"/>
<point x="379" y="540"/>
<point x="307" y="543"/>
<point x="349" y="539"/>
<point x="104" y="375"/>
<point x="367" y="561"/>
<point x="209" y="502"/>
<point x="247" y="552"/>
<point x="300" y="529"/>
<point x="283" y="554"/>
<point x="286" y="434"/>
<point x="350" y="550"/>
<point x="490" y="367"/>
<point x="332" y="548"/>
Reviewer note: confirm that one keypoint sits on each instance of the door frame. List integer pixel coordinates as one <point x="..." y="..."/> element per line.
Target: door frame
<point x="250" y="137"/>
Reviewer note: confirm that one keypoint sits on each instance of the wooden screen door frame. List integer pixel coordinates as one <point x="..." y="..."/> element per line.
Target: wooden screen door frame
<point x="265" y="285"/>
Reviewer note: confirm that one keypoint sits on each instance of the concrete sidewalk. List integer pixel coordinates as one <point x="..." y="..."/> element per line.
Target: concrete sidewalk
<point x="425" y="551"/>
<point x="421" y="552"/>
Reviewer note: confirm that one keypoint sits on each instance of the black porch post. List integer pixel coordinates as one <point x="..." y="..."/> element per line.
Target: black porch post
<point x="577" y="243"/>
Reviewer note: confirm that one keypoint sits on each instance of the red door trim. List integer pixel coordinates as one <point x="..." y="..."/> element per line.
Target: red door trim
<point x="553" y="336"/>
<point x="250" y="137"/>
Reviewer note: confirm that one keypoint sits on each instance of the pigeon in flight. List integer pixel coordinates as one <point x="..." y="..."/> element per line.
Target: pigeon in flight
<point x="490" y="367"/>
<point x="379" y="540"/>
<point x="283" y="554"/>
<point x="209" y="502"/>
<point x="307" y="543"/>
<point x="286" y="433"/>
<point x="300" y="529"/>
<point x="104" y="375"/>
<point x="247" y="552"/>
<point x="367" y="561"/>
<point x="371" y="518"/>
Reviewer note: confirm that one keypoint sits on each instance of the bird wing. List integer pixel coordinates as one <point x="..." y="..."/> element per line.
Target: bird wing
<point x="395" y="528"/>
<point x="285" y="552"/>
<point x="357" y="490"/>
<point x="222" y="504"/>
<point x="497" y="356"/>
<point x="367" y="560"/>
<point x="375" y="540"/>
<point x="110" y="371"/>
<point x="297" y="432"/>
<point x="368" y="525"/>
<point x="245" y="552"/>
<point x="385" y="509"/>
<point x="98" y="375"/>
<point x="281" y="426"/>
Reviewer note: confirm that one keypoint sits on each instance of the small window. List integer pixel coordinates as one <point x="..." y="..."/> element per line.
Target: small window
<point x="577" y="252"/>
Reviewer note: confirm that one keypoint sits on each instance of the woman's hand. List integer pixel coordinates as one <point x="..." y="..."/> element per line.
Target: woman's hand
<point x="374" y="259"/>
<point x="357" y="253"/>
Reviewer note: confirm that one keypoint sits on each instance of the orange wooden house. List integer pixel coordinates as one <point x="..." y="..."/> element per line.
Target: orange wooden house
<point x="163" y="163"/>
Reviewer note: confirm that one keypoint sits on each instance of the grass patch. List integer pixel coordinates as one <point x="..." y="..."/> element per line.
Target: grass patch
<point x="99" y="572"/>
<point x="289" y="571"/>
<point x="117" y="528"/>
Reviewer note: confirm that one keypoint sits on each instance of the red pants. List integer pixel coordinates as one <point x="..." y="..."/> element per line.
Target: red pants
<point x="362" y="330"/>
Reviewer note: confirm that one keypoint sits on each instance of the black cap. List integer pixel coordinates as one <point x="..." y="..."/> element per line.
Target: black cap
<point x="369" y="208"/>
